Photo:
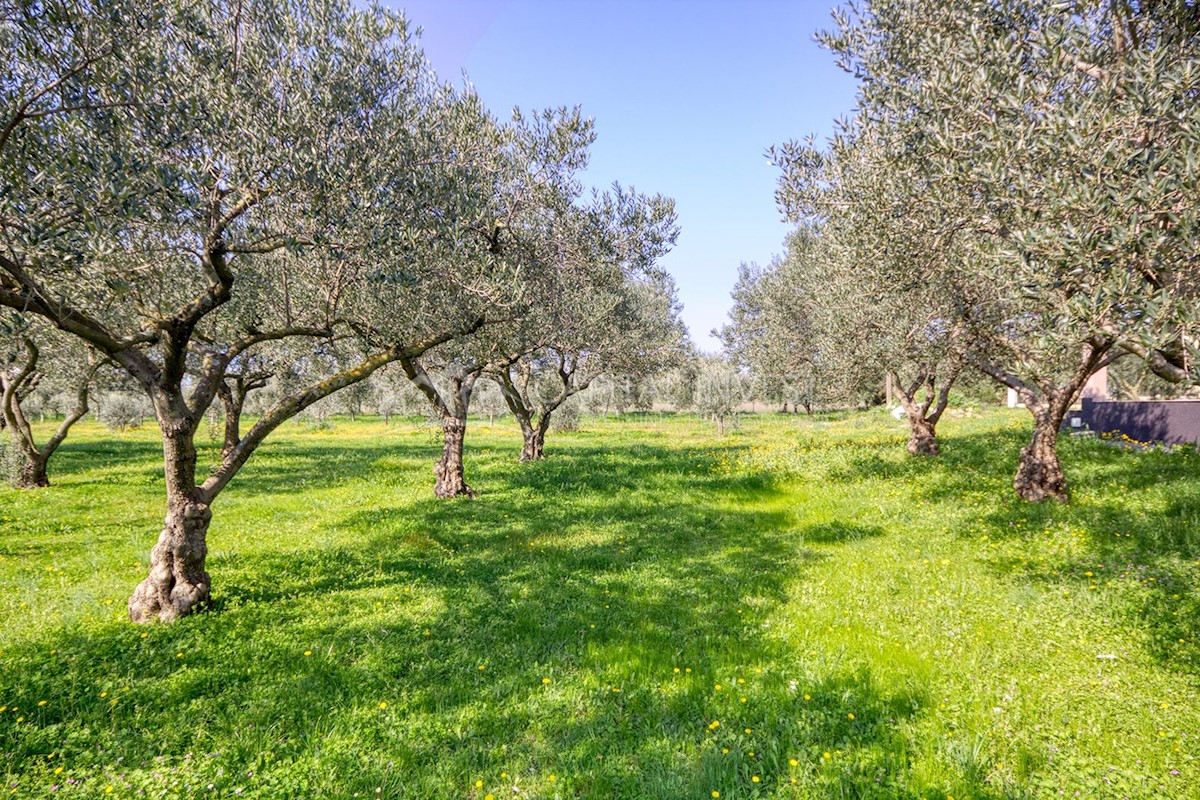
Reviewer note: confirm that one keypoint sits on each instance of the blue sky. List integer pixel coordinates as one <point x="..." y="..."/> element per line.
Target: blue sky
<point x="686" y="96"/>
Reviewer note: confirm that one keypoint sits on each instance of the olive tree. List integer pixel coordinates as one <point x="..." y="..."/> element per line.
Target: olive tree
<point x="185" y="183"/>
<point x="38" y="359"/>
<point x="719" y="391"/>
<point x="539" y="192"/>
<point x="612" y="310"/>
<point x="891" y="280"/>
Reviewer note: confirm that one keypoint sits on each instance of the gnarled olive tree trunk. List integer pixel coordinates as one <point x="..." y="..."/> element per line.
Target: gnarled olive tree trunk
<point x="14" y="387"/>
<point x="534" y="433"/>
<point x="1039" y="475"/>
<point x="532" y="413"/>
<point x="922" y="437"/>
<point x="924" y="415"/>
<point x="178" y="583"/>
<point x="449" y="470"/>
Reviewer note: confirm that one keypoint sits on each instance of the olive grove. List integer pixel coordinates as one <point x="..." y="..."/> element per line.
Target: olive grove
<point x="1035" y="160"/>
<point x="187" y="186"/>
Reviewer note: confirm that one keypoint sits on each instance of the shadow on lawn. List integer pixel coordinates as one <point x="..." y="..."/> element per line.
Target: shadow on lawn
<point x="417" y="658"/>
<point x="1139" y="512"/>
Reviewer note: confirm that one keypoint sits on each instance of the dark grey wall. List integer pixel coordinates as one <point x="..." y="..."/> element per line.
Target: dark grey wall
<point x="1169" y="421"/>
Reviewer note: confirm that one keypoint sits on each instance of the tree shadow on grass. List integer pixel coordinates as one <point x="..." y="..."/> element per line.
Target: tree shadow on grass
<point x="573" y="622"/>
<point x="1136" y="513"/>
<point x="839" y="531"/>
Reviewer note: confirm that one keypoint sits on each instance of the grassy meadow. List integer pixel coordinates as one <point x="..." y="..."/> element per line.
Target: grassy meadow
<point x="797" y="610"/>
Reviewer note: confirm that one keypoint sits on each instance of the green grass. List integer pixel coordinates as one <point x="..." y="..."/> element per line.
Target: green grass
<point x="878" y="626"/>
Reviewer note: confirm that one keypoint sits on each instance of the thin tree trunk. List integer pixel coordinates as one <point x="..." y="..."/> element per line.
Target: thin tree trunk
<point x="32" y="472"/>
<point x="232" y="401"/>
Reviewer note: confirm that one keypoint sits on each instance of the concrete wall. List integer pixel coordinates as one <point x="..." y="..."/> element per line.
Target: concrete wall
<point x="1169" y="421"/>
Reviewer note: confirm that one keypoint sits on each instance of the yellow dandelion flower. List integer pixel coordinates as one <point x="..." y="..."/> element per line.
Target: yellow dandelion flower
<point x="553" y="777"/>
<point x="754" y="778"/>
<point x="687" y="669"/>
<point x="677" y="669"/>
<point x="308" y="652"/>
<point x="748" y="730"/>
<point x="383" y="704"/>
<point x="808" y="697"/>
<point x="545" y="680"/>
<point x="478" y="784"/>
<point x="489" y="797"/>
<point x="482" y="667"/>
<point x="717" y="687"/>
<point x="41" y="702"/>
<point x="826" y="755"/>
<point x="851" y="716"/>
<point x="716" y="793"/>
<point x="503" y="775"/>
<point x="714" y="724"/>
<point x="743" y="699"/>
<point x="793" y="762"/>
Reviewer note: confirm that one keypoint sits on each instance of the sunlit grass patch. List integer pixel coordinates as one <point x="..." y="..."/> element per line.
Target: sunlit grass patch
<point x="878" y="626"/>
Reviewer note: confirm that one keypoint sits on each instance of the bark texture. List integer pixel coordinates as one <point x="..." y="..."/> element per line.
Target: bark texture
<point x="449" y="470"/>
<point x="922" y="438"/>
<point x="178" y="583"/>
<point x="1039" y="474"/>
<point x="534" y="432"/>
<point x="453" y="407"/>
<point x="924" y="414"/>
<point x="32" y="474"/>
<point x="533" y="413"/>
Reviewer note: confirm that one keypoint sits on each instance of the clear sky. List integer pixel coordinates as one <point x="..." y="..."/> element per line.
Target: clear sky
<point x="686" y="96"/>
